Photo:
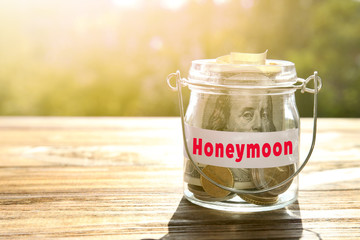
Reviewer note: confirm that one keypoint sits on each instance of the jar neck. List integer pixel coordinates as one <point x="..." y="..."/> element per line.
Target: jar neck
<point x="241" y="91"/>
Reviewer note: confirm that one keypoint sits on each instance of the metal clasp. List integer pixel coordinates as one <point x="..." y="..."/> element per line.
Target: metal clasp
<point x="179" y="82"/>
<point x="303" y="84"/>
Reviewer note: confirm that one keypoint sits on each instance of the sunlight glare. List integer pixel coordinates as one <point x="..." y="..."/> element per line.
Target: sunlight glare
<point x="173" y="4"/>
<point x="247" y="4"/>
<point x="220" y="2"/>
<point x="156" y="43"/>
<point x="128" y="3"/>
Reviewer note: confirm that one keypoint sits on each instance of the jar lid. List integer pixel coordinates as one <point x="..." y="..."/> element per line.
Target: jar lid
<point x="274" y="73"/>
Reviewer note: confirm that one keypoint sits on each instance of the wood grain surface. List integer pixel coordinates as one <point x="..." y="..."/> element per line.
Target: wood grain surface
<point x="121" y="178"/>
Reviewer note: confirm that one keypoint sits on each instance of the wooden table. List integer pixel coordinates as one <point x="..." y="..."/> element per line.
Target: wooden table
<point x="121" y="178"/>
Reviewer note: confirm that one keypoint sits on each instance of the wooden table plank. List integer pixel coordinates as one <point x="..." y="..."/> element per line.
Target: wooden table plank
<point x="121" y="178"/>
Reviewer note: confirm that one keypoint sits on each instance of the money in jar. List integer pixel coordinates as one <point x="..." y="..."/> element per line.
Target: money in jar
<point x="241" y="132"/>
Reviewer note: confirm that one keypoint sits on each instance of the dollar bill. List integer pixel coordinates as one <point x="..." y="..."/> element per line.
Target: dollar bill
<point x="243" y="58"/>
<point x="242" y="178"/>
<point x="191" y="175"/>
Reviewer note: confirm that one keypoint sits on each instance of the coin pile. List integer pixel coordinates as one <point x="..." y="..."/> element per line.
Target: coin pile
<point x="204" y="190"/>
<point x="264" y="178"/>
<point x="238" y="178"/>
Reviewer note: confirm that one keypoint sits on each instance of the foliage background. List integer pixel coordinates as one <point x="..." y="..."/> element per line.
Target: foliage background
<point x="111" y="58"/>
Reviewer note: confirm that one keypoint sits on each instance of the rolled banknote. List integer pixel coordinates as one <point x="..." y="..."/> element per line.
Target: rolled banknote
<point x="243" y="58"/>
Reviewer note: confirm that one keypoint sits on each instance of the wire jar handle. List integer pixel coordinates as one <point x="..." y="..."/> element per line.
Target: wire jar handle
<point x="301" y="84"/>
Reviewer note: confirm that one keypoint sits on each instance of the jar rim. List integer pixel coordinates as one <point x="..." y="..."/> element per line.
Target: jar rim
<point x="268" y="63"/>
<point x="272" y="73"/>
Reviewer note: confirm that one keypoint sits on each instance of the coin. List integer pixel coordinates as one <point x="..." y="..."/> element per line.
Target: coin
<point x="268" y="177"/>
<point x="196" y="189"/>
<point x="220" y="175"/>
<point x="213" y="199"/>
<point x="200" y="193"/>
<point x="259" y="198"/>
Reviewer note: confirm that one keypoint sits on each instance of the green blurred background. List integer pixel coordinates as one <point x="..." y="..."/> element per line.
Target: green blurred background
<point x="111" y="58"/>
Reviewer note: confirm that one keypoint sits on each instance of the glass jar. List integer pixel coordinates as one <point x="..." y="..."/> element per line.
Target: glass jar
<point x="241" y="135"/>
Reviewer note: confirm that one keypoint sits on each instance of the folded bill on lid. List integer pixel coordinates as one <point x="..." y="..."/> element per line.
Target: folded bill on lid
<point x="243" y="58"/>
<point x="249" y="62"/>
